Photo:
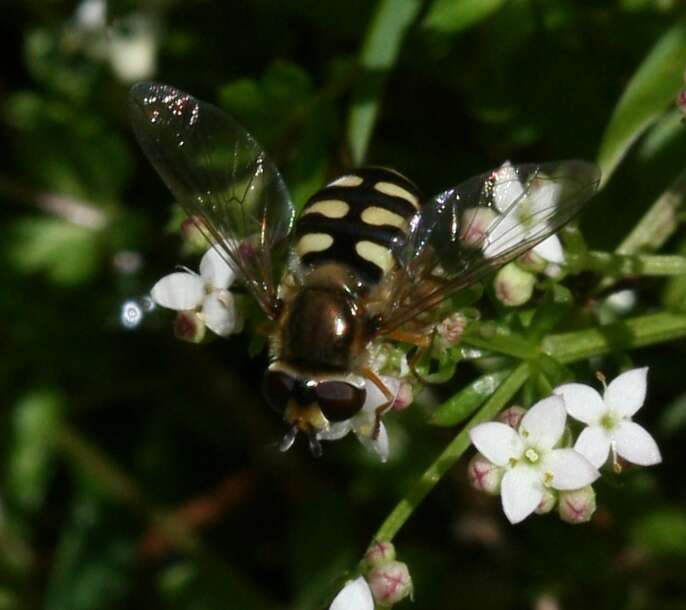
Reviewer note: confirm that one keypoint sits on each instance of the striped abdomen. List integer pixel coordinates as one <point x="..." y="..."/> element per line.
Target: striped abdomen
<point x="358" y="220"/>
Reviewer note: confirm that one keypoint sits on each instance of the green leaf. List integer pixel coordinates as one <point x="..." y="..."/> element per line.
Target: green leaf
<point x="93" y="566"/>
<point x="379" y="53"/>
<point x="469" y="399"/>
<point x="453" y="16"/>
<point x="555" y="306"/>
<point x="67" y="253"/>
<point x="29" y="465"/>
<point x="652" y="88"/>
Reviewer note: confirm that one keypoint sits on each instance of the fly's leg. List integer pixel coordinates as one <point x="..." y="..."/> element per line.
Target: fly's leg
<point x="382" y="409"/>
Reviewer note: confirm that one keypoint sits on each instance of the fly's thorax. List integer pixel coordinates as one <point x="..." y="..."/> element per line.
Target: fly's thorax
<point x="359" y="222"/>
<point x="322" y="329"/>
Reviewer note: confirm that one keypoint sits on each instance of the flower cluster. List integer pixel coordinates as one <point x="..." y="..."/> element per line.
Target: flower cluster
<point x="202" y="300"/>
<point x="528" y="457"/>
<point x="514" y="283"/>
<point x="386" y="582"/>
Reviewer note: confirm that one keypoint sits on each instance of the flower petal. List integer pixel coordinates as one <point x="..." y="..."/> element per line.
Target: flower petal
<point x="594" y="444"/>
<point x="498" y="442"/>
<point x="582" y="402"/>
<point x="356" y="595"/>
<point x="635" y="444"/>
<point x="504" y="233"/>
<point x="544" y="423"/>
<point x="627" y="392"/>
<point x="551" y="250"/>
<point x="521" y="492"/>
<point x="219" y="313"/>
<point x="379" y="445"/>
<point x="375" y="397"/>
<point x="507" y="188"/>
<point x="335" y="431"/>
<point x="180" y="291"/>
<point x="568" y="469"/>
<point x="542" y="196"/>
<point x="215" y="271"/>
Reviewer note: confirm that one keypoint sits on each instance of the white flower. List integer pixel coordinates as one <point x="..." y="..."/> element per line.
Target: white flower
<point x="530" y="459"/>
<point x="526" y="219"/>
<point x="363" y="423"/>
<point x="356" y="595"/>
<point x="133" y="47"/>
<point x="208" y="293"/>
<point x="608" y="419"/>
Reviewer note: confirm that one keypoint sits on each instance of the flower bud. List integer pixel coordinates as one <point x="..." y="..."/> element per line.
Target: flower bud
<point x="530" y="261"/>
<point x="681" y="101"/>
<point x="513" y="285"/>
<point x="512" y="416"/>
<point x="192" y="235"/>
<point x="484" y="475"/>
<point x="548" y="501"/>
<point x="379" y="553"/>
<point x="390" y="583"/>
<point x="188" y="326"/>
<point x="577" y="506"/>
<point x="405" y="396"/>
<point x="475" y="224"/>
<point x="451" y="328"/>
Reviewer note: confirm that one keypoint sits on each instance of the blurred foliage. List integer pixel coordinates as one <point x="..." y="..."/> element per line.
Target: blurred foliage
<point x="138" y="471"/>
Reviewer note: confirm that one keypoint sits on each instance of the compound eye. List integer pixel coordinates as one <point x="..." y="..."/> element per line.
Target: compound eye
<point x="277" y="388"/>
<point x="339" y="400"/>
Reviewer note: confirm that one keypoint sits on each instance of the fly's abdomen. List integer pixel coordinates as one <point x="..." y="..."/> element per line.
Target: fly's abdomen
<point x="358" y="220"/>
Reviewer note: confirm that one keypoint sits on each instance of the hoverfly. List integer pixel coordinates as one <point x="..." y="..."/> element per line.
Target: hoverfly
<point x="366" y="256"/>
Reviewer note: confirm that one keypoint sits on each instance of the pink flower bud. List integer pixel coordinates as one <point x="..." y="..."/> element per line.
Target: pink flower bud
<point x="189" y="327"/>
<point x="451" y="329"/>
<point x="681" y="101"/>
<point x="547" y="503"/>
<point x="513" y="285"/>
<point x="530" y="261"/>
<point x="512" y="416"/>
<point x="577" y="506"/>
<point x="475" y="224"/>
<point x="390" y="583"/>
<point x="192" y="235"/>
<point x="484" y="475"/>
<point x="379" y="553"/>
<point x="405" y="396"/>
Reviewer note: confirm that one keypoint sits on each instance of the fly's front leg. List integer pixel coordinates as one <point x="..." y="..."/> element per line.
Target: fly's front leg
<point x="381" y="410"/>
<point x="421" y="340"/>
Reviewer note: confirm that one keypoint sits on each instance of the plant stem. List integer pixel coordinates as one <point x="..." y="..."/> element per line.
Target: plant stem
<point x="397" y="518"/>
<point x="659" y="222"/>
<point x="619" y="265"/>
<point x="627" y="334"/>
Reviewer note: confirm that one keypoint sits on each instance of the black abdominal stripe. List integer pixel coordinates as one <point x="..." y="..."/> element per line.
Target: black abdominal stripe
<point x="359" y="220"/>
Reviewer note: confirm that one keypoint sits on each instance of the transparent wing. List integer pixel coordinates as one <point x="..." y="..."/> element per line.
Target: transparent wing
<point x="467" y="232"/>
<point x="221" y="177"/>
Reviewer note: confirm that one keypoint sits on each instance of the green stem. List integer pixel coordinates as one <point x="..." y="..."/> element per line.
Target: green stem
<point x="624" y="335"/>
<point x="659" y="222"/>
<point x="619" y="265"/>
<point x="450" y="455"/>
<point x="490" y="337"/>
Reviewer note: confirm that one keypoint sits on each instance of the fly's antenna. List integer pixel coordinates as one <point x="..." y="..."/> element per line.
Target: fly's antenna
<point x="289" y="438"/>
<point x="315" y="445"/>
